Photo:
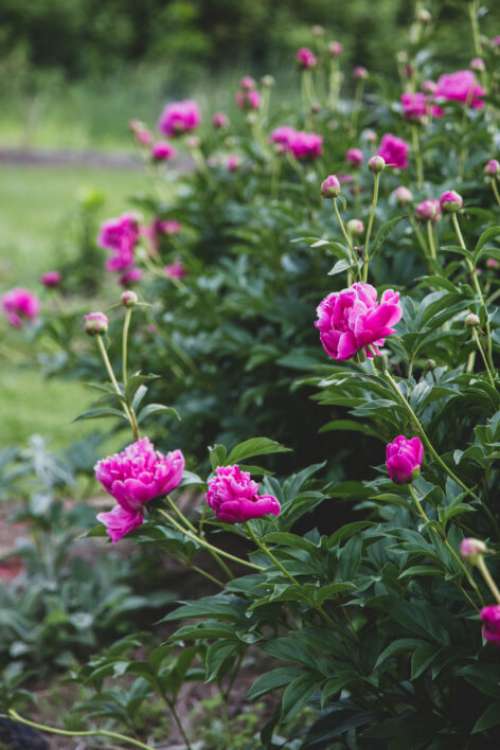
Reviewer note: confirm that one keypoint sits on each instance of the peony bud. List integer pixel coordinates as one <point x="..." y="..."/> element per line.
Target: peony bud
<point x="492" y="168"/>
<point x="490" y="617"/>
<point x="330" y="187"/>
<point x="472" y="549"/>
<point x="472" y="320"/>
<point x="404" y="457"/>
<point x="403" y="195"/>
<point x="355" y="226"/>
<point x="477" y="64"/>
<point x="95" y="323"/>
<point x="359" y="73"/>
<point x="428" y="210"/>
<point x="247" y="83"/>
<point x="451" y="202"/>
<point x="51" y="279"/>
<point x="306" y="58"/>
<point x="369" y="135"/>
<point x="335" y="49"/>
<point x="220" y="120"/>
<point x="129" y="298"/>
<point x="354" y="156"/>
<point x="376" y="164"/>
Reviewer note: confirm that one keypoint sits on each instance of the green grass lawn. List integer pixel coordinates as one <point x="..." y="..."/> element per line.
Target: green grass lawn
<point x="34" y="203"/>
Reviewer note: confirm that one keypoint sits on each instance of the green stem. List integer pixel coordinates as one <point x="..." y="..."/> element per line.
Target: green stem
<point x="477" y="287"/>
<point x="483" y="356"/>
<point x="126" y="326"/>
<point x="127" y="411"/>
<point x="431" y="240"/>
<point x="475" y="28"/>
<point x="208" y="576"/>
<point x="358" y="97"/>
<point x="347" y="238"/>
<point x="420" y="238"/>
<point x="171" y="705"/>
<point x="88" y="733"/>
<point x="207" y="545"/>
<point x="371" y="219"/>
<point x="488" y="578"/>
<point x="495" y="190"/>
<point x="193" y="529"/>
<point x="418" y="155"/>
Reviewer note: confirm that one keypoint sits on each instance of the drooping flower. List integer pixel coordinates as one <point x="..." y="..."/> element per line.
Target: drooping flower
<point x="394" y="151"/>
<point x="354" y="320"/>
<point x="306" y="146"/>
<point x="162" y="151"/>
<point x="490" y="617"/>
<point x="51" y="279"/>
<point x="354" y="156"/>
<point x="403" y="459"/>
<point x="119" y="235"/>
<point x="175" y="270"/>
<point x="20" y="306"/>
<point x="428" y="210"/>
<point x="134" y="477"/>
<point x="179" y="117"/>
<point x="461" y="86"/>
<point x="306" y="58"/>
<point x="234" y="496"/>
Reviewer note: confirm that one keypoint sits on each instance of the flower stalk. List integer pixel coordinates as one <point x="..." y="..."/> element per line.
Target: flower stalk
<point x="369" y="229"/>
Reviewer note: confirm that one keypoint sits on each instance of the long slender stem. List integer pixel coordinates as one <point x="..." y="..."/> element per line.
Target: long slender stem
<point x="208" y="576"/>
<point x="171" y="705"/>
<point x="495" y="189"/>
<point x="477" y="287"/>
<point x="418" y="155"/>
<point x="347" y="238"/>
<point x="127" y="411"/>
<point x="83" y="733"/>
<point x="420" y="238"/>
<point x="371" y="219"/>
<point x="488" y="578"/>
<point x="483" y="356"/>
<point x="126" y="326"/>
<point x="431" y="239"/>
<point x="207" y="545"/>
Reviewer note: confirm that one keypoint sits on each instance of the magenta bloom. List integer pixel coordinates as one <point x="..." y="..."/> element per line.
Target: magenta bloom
<point x="354" y="156"/>
<point x="179" y="117"/>
<point x="450" y="201"/>
<point x="428" y="210"/>
<point x="490" y="617"/>
<point x="130" y="277"/>
<point x="175" y="270"/>
<point x="353" y="320"/>
<point x="403" y="459"/>
<point x="306" y="58"/>
<point x="394" y="151"/>
<point x="162" y="151"/>
<point x="119" y="235"/>
<point x="20" y="305"/>
<point x="335" y="49"/>
<point x="248" y="99"/>
<point x="415" y="106"/>
<point x="247" y="83"/>
<point x="306" y="146"/>
<point x="234" y="498"/>
<point x="360" y="73"/>
<point x="233" y="163"/>
<point x="461" y="86"/>
<point x="51" y="279"/>
<point x="283" y="136"/>
<point x="220" y="120"/>
<point x="133" y="477"/>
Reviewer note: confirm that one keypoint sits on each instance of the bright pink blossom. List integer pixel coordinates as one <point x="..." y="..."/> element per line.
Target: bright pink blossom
<point x="354" y="320"/>
<point x="461" y="86"/>
<point x="120" y="522"/>
<point x="354" y="156"/>
<point x="415" y="106"/>
<point x="403" y="459"/>
<point x="119" y="235"/>
<point x="282" y="136"/>
<point x="162" y="151"/>
<point x="306" y="58"/>
<point x="394" y="151"/>
<point x="20" y="305"/>
<point x="234" y="496"/>
<point x="175" y="270"/>
<point x="179" y="117"/>
<point x="428" y="210"/>
<point x="305" y="146"/>
<point x="248" y="99"/>
<point x="450" y="201"/>
<point x="490" y="617"/>
<point x="130" y="277"/>
<point x="51" y="279"/>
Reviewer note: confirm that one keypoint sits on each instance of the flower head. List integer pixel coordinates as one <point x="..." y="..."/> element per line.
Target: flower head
<point x="490" y="617"/>
<point x="51" y="279"/>
<point x="355" y="226"/>
<point x="247" y="83"/>
<point x="335" y="49"/>
<point x="376" y="164"/>
<point x="354" y="320"/>
<point x="220" y="120"/>
<point x="20" y="305"/>
<point x="492" y="168"/>
<point x="354" y="156"/>
<point x="415" y="106"/>
<point x="179" y="117"/>
<point x="119" y="235"/>
<point x="175" y="270"/>
<point x="462" y="87"/>
<point x="234" y="496"/>
<point x="233" y="163"/>
<point x="403" y="195"/>
<point x="162" y="151"/>
<point x="477" y="64"/>
<point x="248" y="99"/>
<point x="450" y="201"/>
<point x="360" y="73"/>
<point x="306" y="58"/>
<point x="130" y="277"/>
<point x="330" y="187"/>
<point x="472" y="549"/>
<point x="428" y="210"/>
<point x="129" y="298"/>
<point x="95" y="323"/>
<point x="306" y="146"/>
<point x="403" y="459"/>
<point x="120" y="522"/>
<point x="394" y="150"/>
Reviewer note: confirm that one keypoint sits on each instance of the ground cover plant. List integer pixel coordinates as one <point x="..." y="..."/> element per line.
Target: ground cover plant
<point x="301" y="343"/>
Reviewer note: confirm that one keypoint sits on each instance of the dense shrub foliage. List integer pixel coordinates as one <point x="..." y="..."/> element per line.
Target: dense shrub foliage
<point x="327" y="278"/>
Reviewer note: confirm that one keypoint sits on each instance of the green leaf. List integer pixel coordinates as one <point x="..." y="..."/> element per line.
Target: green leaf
<point x="257" y="446"/>
<point x="402" y="645"/>
<point x="298" y="693"/>
<point x="384" y="232"/>
<point x="154" y="409"/>
<point x="340" y="266"/>
<point x="217" y="454"/>
<point x="272" y="680"/>
<point x="422" y="658"/>
<point x="488" y="234"/>
<point x="100" y="413"/>
<point x="489" y="718"/>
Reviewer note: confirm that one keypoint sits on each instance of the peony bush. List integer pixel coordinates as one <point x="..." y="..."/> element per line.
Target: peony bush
<point x="328" y="278"/>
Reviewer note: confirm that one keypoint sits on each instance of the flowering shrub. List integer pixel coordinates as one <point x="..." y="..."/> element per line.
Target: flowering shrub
<point x="370" y="620"/>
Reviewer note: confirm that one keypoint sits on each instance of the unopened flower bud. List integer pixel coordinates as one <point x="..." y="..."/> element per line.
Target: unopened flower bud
<point x="330" y="187"/>
<point x="376" y="164"/>
<point x="424" y="16"/>
<point x="472" y="549"/>
<point x="472" y="320"/>
<point x="477" y="64"/>
<point x="451" y="202"/>
<point x="335" y="49"/>
<point x="359" y="73"/>
<point x="267" y="81"/>
<point x="355" y="226"/>
<point x="492" y="168"/>
<point x="95" y="323"/>
<point x="403" y="195"/>
<point x="129" y="298"/>
<point x="428" y="210"/>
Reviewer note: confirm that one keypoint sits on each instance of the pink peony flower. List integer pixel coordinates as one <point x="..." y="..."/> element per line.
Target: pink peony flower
<point x="95" y="323"/>
<point x="220" y="120"/>
<point x="119" y="235"/>
<point x="492" y="168"/>
<point x="428" y="210"/>
<point x="415" y="106"/>
<point x="51" y="279"/>
<point x="354" y="156"/>
<point x="471" y="549"/>
<point x="20" y="305"/>
<point x="403" y="459"/>
<point x="140" y="132"/>
<point x="130" y="277"/>
<point x="353" y="320"/>
<point x="394" y="151"/>
<point x="175" y="270"/>
<point x="233" y="163"/>
<point x="234" y="498"/>
<point x="179" y="117"/>
<point x="335" y="49"/>
<point x="134" y="477"/>
<point x="248" y="99"/>
<point x="162" y="151"/>
<point x="304" y="145"/>
<point x="247" y="83"/>
<point x="282" y="137"/>
<point x="306" y="58"/>
<point x="461" y="86"/>
<point x="359" y="73"/>
<point x="490" y="617"/>
<point x="450" y="201"/>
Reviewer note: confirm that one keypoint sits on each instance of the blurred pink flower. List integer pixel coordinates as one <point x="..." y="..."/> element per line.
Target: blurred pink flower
<point x="130" y="277"/>
<point x="162" y="151"/>
<point x="360" y="73"/>
<point x="353" y="320"/>
<point x="428" y="210"/>
<point x="394" y="151"/>
<point x="305" y="145"/>
<point x="20" y="306"/>
<point x="175" y="270"/>
<point x="415" y="106"/>
<point x="234" y="498"/>
<point x="248" y="99"/>
<point x="490" y="617"/>
<point x="233" y="163"/>
<point x="354" y="156"/>
<point x="306" y="58"/>
<point x="140" y="132"/>
<point x="51" y="279"/>
<point x="119" y="235"/>
<point x="220" y="120"/>
<point x="461" y="86"/>
<point x="403" y="459"/>
<point x="179" y="117"/>
<point x="335" y="49"/>
<point x="120" y="522"/>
